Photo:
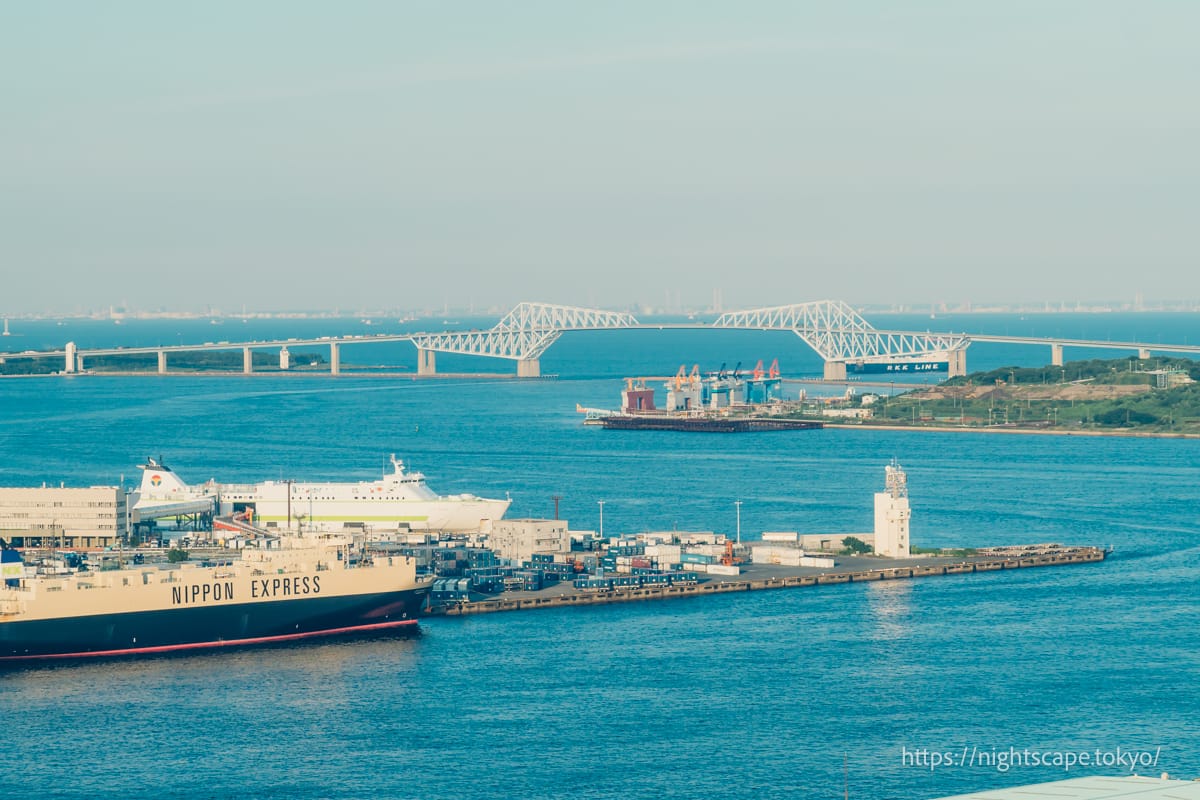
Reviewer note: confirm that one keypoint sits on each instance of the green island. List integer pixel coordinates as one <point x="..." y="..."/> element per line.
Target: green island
<point x="1146" y="396"/>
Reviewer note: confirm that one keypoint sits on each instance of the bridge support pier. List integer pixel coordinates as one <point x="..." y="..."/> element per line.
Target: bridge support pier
<point x="529" y="368"/>
<point x="162" y="362"/>
<point x="335" y="359"/>
<point x="956" y="363"/>
<point x="426" y="363"/>
<point x="247" y="361"/>
<point x="1056" y="355"/>
<point x="72" y="361"/>
<point x="1144" y="352"/>
<point x="835" y="370"/>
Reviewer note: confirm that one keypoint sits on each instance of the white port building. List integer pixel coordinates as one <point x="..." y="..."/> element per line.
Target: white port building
<point x="892" y="514"/>
<point x="519" y="539"/>
<point x="64" y="517"/>
<point x="1098" y="787"/>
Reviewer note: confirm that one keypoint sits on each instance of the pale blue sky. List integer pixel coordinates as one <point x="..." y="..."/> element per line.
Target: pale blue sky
<point x="399" y="154"/>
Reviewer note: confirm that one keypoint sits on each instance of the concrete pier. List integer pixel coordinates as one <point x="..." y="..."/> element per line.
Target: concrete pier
<point x="835" y="370"/>
<point x="335" y="358"/>
<point x="956" y="363"/>
<point x="162" y="362"/>
<point x="285" y="358"/>
<point x="1056" y="355"/>
<point x="529" y="368"/>
<point x="247" y="360"/>
<point x="426" y="364"/>
<point x="715" y="585"/>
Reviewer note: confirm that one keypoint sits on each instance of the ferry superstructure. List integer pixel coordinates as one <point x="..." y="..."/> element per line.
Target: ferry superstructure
<point x="286" y="588"/>
<point x="398" y="501"/>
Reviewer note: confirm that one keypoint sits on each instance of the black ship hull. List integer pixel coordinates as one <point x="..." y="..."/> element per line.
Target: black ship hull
<point x="203" y="627"/>
<point x="667" y="422"/>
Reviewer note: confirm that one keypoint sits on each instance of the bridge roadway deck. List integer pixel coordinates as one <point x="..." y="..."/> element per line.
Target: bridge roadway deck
<point x="341" y="341"/>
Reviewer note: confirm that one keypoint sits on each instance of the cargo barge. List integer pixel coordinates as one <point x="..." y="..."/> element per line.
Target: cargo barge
<point x="719" y="403"/>
<point x="707" y="424"/>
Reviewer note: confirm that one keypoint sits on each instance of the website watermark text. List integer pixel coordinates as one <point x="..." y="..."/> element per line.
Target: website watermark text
<point x="1004" y="759"/>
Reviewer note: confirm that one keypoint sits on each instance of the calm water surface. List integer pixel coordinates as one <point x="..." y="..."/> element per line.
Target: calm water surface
<point x="758" y="695"/>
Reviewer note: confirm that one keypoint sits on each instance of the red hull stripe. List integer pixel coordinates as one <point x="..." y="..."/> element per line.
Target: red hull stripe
<point x="168" y="648"/>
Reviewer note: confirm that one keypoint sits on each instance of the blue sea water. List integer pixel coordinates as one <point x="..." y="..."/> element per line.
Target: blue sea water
<point x="790" y="694"/>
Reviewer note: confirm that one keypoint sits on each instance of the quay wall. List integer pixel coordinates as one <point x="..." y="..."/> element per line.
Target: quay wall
<point x="1079" y="555"/>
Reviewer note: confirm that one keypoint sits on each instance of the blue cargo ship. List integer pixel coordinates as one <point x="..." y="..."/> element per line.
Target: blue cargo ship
<point x="884" y="367"/>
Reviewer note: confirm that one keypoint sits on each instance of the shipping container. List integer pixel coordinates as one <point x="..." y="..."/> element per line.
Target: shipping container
<point x="593" y="584"/>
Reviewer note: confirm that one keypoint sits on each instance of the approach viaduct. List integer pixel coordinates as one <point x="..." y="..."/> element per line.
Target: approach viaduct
<point x="834" y="330"/>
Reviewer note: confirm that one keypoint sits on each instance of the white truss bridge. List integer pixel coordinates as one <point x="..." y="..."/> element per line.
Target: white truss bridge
<point x="523" y="335"/>
<point x="840" y="335"/>
<point x="832" y="328"/>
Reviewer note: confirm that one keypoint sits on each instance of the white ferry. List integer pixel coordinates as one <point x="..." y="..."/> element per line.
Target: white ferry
<point x="399" y="501"/>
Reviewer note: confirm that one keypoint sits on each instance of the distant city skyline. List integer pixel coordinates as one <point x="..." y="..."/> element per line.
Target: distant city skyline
<point x="377" y="155"/>
<point x="444" y="312"/>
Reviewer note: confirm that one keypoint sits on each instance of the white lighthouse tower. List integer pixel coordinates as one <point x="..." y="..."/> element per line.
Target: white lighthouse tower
<point x="892" y="514"/>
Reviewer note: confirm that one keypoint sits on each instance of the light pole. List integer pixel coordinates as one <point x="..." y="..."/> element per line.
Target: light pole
<point x="289" y="483"/>
<point x="738" y="504"/>
<point x="601" y="503"/>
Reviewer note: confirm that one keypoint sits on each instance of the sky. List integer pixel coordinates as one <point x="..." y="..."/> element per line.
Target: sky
<point x="410" y="154"/>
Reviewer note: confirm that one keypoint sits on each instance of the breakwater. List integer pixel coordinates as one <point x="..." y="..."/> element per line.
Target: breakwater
<point x="1065" y="557"/>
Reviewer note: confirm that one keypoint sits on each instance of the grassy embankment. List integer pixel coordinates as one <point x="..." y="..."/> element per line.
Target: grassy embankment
<point x="1126" y="395"/>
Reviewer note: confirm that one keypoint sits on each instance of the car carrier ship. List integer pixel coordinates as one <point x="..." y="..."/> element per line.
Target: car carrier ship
<point x="284" y="589"/>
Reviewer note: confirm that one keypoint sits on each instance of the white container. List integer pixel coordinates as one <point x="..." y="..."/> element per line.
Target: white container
<point x="776" y="554"/>
<point x="664" y="552"/>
